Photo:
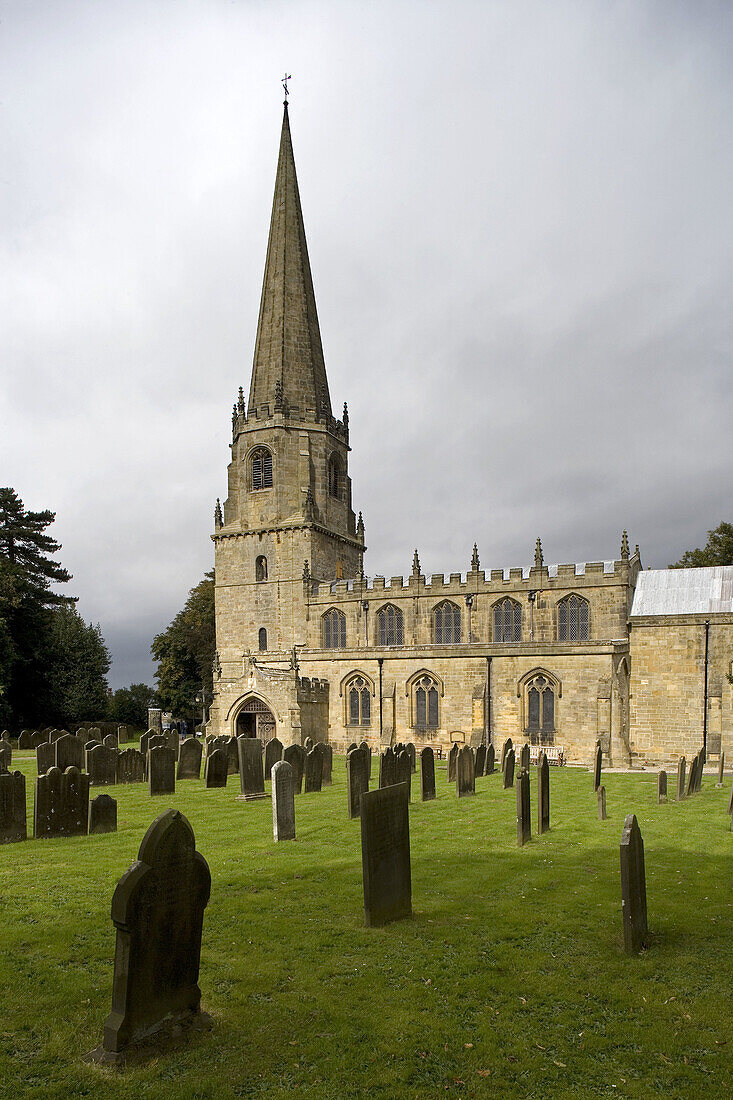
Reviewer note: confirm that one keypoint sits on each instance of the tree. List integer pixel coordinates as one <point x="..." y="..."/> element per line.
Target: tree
<point x="25" y="547"/>
<point x="78" y="666"/>
<point x="129" y="705"/>
<point x="718" y="550"/>
<point x="185" y="651"/>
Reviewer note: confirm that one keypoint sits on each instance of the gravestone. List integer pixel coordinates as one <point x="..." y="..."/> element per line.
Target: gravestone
<point x="452" y="758"/>
<point x="699" y="769"/>
<point x="313" y="771"/>
<point x="144" y="738"/>
<point x="161" y="770"/>
<point x="662" y="787"/>
<point x="122" y="735"/>
<point x="353" y="745"/>
<point x="427" y="774"/>
<point x="102" y="766"/>
<point x="543" y="793"/>
<point x="509" y="770"/>
<point x="387" y="770"/>
<point x="25" y="741"/>
<point x="465" y="778"/>
<point x="480" y="761"/>
<point x="328" y="765"/>
<point x="172" y="740"/>
<point x="601" y="795"/>
<point x="524" y="812"/>
<point x="308" y="744"/>
<point x="158" y="741"/>
<point x="504" y="750"/>
<point x="12" y="807"/>
<point x="216" y="770"/>
<point x="721" y="769"/>
<point x="357" y="780"/>
<point x="413" y="756"/>
<point x="730" y="800"/>
<point x="232" y="751"/>
<point x="681" y="764"/>
<point x="189" y="759"/>
<point x="6" y="755"/>
<point x="633" y="887"/>
<point x="158" y="910"/>
<point x="130" y="766"/>
<point x="55" y="735"/>
<point x="273" y="753"/>
<point x="110" y="740"/>
<point x="89" y="745"/>
<point x="103" y="814"/>
<point x="524" y="755"/>
<point x="295" y="756"/>
<point x="692" y="777"/>
<point x="61" y="806"/>
<point x="403" y="770"/>
<point x="283" y="800"/>
<point x="597" y="764"/>
<point x="490" y="765"/>
<point x="45" y="757"/>
<point x="69" y="753"/>
<point x="367" y="749"/>
<point x="94" y="734"/>
<point x="251" y="775"/>
<point x="385" y="854"/>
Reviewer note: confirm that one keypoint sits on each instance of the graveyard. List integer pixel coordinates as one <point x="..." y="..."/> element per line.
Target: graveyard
<point x="508" y="979"/>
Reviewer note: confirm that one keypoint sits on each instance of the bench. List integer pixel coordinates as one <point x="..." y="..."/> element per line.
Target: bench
<point x="555" y="754"/>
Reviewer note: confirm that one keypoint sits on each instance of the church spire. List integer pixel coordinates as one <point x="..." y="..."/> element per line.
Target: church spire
<point x="288" y="361"/>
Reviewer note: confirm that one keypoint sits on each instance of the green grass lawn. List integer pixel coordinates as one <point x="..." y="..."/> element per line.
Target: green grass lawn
<point x="509" y="980"/>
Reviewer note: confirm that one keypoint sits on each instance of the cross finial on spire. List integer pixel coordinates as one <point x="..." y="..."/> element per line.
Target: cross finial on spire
<point x="538" y="556"/>
<point x="286" y="78"/>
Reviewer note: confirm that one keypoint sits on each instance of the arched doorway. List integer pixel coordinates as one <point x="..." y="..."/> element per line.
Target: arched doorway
<point x="255" y="719"/>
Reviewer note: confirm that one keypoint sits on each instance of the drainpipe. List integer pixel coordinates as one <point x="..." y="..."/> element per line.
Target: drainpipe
<point x="705" y="694"/>
<point x="380" y="662"/>
<point x="488" y="702"/>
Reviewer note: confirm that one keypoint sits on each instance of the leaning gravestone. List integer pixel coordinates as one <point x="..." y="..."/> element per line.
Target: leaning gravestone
<point x="681" y="764"/>
<point x="662" y="787"/>
<point x="130" y="766"/>
<point x="61" y="805"/>
<point x="633" y="887"/>
<point x="273" y="753"/>
<point x="313" y="771"/>
<point x="12" y="807"/>
<point x="328" y="765"/>
<point x="357" y="780"/>
<point x="216" y="770"/>
<point x="387" y="772"/>
<point x="158" y="911"/>
<point x="490" y="765"/>
<point x="543" y="793"/>
<point x="721" y="769"/>
<point x="251" y="775"/>
<point x="45" y="757"/>
<point x="102" y="766"/>
<point x="524" y="755"/>
<point x="692" y="777"/>
<point x="504" y="750"/>
<point x="597" y="764"/>
<point x="509" y="770"/>
<point x="427" y="774"/>
<point x="601" y="795"/>
<point x="283" y="800"/>
<point x="295" y="756"/>
<point x="161" y="770"/>
<point x="69" y="753"/>
<point x="385" y="854"/>
<point x="524" y="813"/>
<point x="465" y="780"/>
<point x="189" y="760"/>
<point x="480" y="761"/>
<point x="103" y="814"/>
<point x="452" y="758"/>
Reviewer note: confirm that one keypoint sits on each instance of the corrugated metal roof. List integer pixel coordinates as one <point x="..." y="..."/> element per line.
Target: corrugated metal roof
<point x="684" y="591"/>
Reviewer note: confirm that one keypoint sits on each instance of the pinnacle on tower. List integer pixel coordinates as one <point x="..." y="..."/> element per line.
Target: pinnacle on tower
<point x="288" y="348"/>
<point x="416" y="564"/>
<point x="475" y="563"/>
<point x="538" y="557"/>
<point x="360" y="527"/>
<point x="624" y="547"/>
<point x="218" y="517"/>
<point x="240" y="402"/>
<point x="309" y="509"/>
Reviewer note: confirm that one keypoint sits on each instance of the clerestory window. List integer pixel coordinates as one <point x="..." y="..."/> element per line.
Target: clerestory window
<point x="447" y="624"/>
<point x="334" y="629"/>
<point x="507" y="621"/>
<point x="573" y="617"/>
<point x="390" y="626"/>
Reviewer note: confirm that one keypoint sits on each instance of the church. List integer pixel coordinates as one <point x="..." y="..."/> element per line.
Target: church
<point x="307" y="645"/>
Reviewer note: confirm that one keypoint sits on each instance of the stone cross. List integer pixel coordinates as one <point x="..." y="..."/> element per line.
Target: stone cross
<point x="385" y="853"/>
<point x="283" y="800"/>
<point x="524" y="816"/>
<point x="633" y="887"/>
<point x="427" y="774"/>
<point x="543" y="793"/>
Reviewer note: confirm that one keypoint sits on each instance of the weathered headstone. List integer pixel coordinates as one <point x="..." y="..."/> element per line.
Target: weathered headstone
<point x="427" y="774"/>
<point x="251" y="775"/>
<point x="158" y="741"/>
<point x="103" y="814"/>
<point x="490" y="765"/>
<point x="385" y="853"/>
<point x="25" y="741"/>
<point x="662" y="787"/>
<point x="524" y="755"/>
<point x="144" y="739"/>
<point x="353" y="745"/>
<point x="543" y="793"/>
<point x="161" y="770"/>
<point x="480" y="761"/>
<point x="692" y="777"/>
<point x="61" y="803"/>
<point x="601" y="796"/>
<point x="216" y="769"/>
<point x="633" y="887"/>
<point x="232" y="751"/>
<point x="273" y="753"/>
<point x="357" y="780"/>
<point x="45" y="757"/>
<point x="504" y="750"/>
<point x="110" y="740"/>
<point x="387" y="771"/>
<point x="308" y="744"/>
<point x="328" y="765"/>
<point x="313" y="771"/>
<point x="465" y="779"/>
<point x="6" y="755"/>
<point x="12" y="807"/>
<point x="681" y="764"/>
<point x="295" y="756"/>
<point x="130" y="766"/>
<point x="158" y="909"/>
<point x="189" y="759"/>
<point x="730" y="800"/>
<point x="403" y="770"/>
<point x="509" y="770"/>
<point x="721" y="769"/>
<point x="283" y="800"/>
<point x="597" y="765"/>
<point x="95" y="734"/>
<point x="452" y="758"/>
<point x="413" y="756"/>
<point x="524" y="812"/>
<point x="122" y="735"/>
<point x="69" y="753"/>
<point x="102" y="766"/>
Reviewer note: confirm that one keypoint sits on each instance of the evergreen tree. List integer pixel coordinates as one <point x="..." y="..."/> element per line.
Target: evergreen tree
<point x="129" y="706"/>
<point x="185" y="651"/>
<point x="77" y="669"/>
<point x="25" y="548"/>
<point x="718" y="550"/>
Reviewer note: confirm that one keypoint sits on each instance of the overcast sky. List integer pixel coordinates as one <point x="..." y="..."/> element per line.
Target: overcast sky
<point x="520" y="227"/>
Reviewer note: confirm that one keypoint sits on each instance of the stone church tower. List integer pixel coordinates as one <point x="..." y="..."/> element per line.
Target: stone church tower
<point x="288" y="512"/>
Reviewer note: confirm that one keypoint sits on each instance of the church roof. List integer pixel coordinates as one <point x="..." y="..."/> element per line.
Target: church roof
<point x="288" y="361"/>
<point x="684" y="591"/>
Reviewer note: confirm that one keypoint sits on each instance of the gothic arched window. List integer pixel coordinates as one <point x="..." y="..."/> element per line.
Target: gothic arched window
<point x="507" y="621"/>
<point x="447" y="624"/>
<point x="261" y="568"/>
<point x="573" y="617"/>
<point x="358" y="702"/>
<point x="263" y="639"/>
<point x="334" y="476"/>
<point x="334" y="629"/>
<point x="539" y="709"/>
<point x="425" y="710"/>
<point x="389" y="626"/>
<point x="261" y="467"/>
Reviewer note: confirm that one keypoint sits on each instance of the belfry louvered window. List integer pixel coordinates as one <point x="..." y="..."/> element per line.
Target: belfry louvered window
<point x="334" y="477"/>
<point x="573" y="616"/>
<point x="261" y="468"/>
<point x="359" y="699"/>
<point x="507" y="621"/>
<point x="447" y="624"/>
<point x="334" y="630"/>
<point x="426" y="703"/>
<point x="389" y="626"/>
<point x="540" y="710"/>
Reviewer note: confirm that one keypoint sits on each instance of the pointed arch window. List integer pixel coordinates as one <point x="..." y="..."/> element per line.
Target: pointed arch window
<point x="358" y="702"/>
<point x="425" y="703"/>
<point x="334" y="629"/>
<point x="447" y="624"/>
<point x="573" y="619"/>
<point x="262" y="639"/>
<point x="334" y="477"/>
<point x="507" y="621"/>
<point x="390" y="629"/>
<point x="539" y="709"/>
<point x="261" y="468"/>
<point x="261" y="568"/>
